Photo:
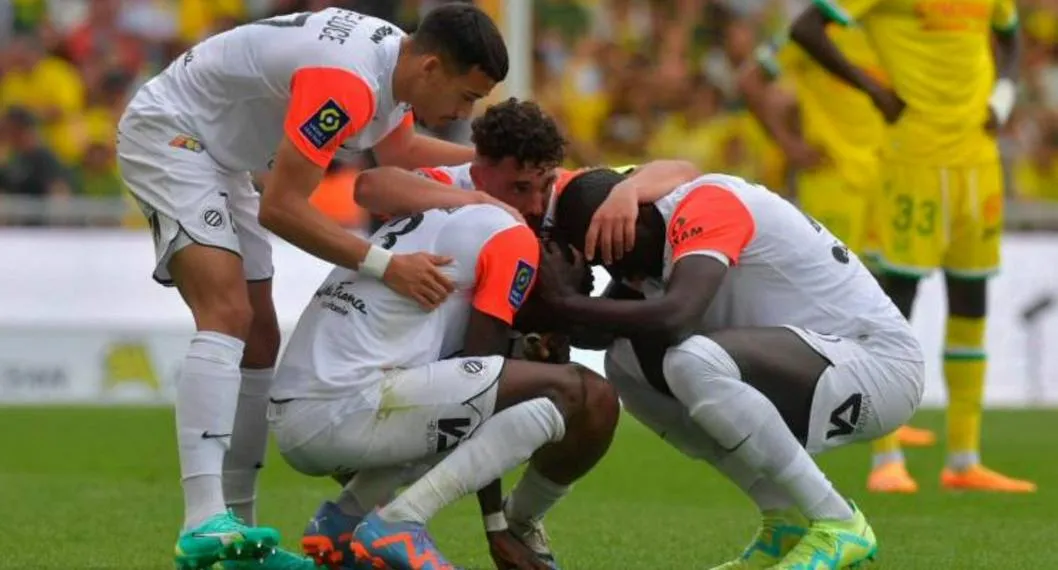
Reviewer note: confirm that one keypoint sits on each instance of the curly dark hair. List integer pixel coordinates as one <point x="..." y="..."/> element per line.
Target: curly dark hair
<point x="520" y="130"/>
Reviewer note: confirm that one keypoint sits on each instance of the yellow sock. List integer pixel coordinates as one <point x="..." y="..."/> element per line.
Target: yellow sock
<point x="964" y="373"/>
<point x="887" y="450"/>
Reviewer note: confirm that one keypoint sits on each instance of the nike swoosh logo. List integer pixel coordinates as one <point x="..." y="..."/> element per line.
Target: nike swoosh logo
<point x="207" y="435"/>
<point x="737" y="445"/>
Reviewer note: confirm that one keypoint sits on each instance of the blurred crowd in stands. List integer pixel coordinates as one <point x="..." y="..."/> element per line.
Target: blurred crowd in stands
<point x="628" y="79"/>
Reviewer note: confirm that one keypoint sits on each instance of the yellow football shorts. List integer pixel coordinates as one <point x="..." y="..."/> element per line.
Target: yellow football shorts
<point x="846" y="211"/>
<point x="949" y="218"/>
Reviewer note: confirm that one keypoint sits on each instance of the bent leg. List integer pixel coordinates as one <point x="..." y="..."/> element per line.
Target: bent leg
<point x="728" y="389"/>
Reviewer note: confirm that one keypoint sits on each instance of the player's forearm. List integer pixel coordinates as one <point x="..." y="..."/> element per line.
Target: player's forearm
<point x="655" y="180"/>
<point x="392" y="191"/>
<point x="1008" y="54"/>
<point x="293" y="219"/>
<point x="422" y="151"/>
<point x="773" y="112"/>
<point x="661" y="317"/>
<point x="809" y="31"/>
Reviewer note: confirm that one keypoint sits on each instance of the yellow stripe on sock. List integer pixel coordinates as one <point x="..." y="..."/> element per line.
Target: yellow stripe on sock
<point x="964" y="372"/>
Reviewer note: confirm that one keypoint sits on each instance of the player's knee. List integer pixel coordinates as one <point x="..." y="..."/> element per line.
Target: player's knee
<point x="569" y="389"/>
<point x="227" y="313"/>
<point x="693" y="365"/>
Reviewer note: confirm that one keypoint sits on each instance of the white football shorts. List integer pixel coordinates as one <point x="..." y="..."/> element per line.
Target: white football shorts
<point x="860" y="397"/>
<point x="420" y="413"/>
<point x="187" y="196"/>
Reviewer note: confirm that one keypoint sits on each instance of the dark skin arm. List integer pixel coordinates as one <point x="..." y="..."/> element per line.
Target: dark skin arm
<point x="809" y="31"/>
<point x="777" y="111"/>
<point x="1007" y="54"/>
<point x="591" y="338"/>
<point x="672" y="317"/>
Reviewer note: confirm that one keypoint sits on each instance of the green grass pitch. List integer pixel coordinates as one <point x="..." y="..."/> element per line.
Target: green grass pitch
<point x="98" y="488"/>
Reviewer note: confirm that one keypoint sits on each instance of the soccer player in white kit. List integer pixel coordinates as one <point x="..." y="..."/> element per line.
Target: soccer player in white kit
<point x="750" y="338"/>
<point x="282" y="94"/>
<point x="370" y="381"/>
<point x="521" y="173"/>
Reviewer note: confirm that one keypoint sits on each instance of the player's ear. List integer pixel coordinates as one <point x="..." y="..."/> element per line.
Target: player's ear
<point x="431" y="64"/>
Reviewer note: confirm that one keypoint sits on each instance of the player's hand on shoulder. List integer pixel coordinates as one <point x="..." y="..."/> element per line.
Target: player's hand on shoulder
<point x="562" y="271"/>
<point x="418" y="276"/>
<point x="484" y="198"/>
<point x="509" y="553"/>
<point x="612" y="232"/>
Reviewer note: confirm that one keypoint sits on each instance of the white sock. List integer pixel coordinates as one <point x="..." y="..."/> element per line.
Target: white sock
<point x="249" y="441"/>
<point x="371" y="488"/>
<point x="960" y="462"/>
<point x="206" y="395"/>
<point x="747" y="425"/>
<point x="766" y="494"/>
<point x="880" y="459"/>
<point x="503" y="441"/>
<point x="533" y="497"/>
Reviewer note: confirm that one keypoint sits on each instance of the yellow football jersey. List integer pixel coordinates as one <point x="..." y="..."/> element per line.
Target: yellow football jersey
<point x="836" y="117"/>
<point x="938" y="55"/>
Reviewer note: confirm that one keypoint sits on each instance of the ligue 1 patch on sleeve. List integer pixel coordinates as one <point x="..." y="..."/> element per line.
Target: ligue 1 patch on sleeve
<point x="523" y="277"/>
<point x="325" y="124"/>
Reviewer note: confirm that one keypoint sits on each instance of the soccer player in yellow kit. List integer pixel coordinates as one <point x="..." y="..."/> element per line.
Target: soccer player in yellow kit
<point x="942" y="199"/>
<point x="829" y="131"/>
<point x="832" y="134"/>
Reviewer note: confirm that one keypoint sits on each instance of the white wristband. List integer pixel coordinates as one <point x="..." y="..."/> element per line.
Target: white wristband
<point x="496" y="522"/>
<point x="1004" y="95"/>
<point x="376" y="261"/>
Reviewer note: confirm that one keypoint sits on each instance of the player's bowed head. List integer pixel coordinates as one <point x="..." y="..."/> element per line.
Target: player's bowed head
<point x="583" y="196"/>
<point x="688" y="290"/>
<point x="454" y="58"/>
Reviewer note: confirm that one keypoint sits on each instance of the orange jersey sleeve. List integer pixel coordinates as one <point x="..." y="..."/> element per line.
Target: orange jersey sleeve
<point x="506" y="272"/>
<point x="327" y="106"/>
<point x="437" y="175"/>
<point x="710" y="218"/>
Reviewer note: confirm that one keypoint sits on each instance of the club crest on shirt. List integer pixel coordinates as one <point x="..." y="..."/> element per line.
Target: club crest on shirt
<point x="523" y="277"/>
<point x="325" y="124"/>
<point x="473" y="367"/>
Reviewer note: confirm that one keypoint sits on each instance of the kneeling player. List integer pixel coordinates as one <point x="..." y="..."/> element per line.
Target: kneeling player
<point x="756" y="339"/>
<point x="364" y="384"/>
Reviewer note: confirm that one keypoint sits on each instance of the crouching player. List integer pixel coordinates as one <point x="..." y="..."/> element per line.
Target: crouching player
<point x="369" y="381"/>
<point x="755" y="339"/>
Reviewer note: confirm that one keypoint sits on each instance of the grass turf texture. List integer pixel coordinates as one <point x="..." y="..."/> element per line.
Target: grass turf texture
<point x="98" y="488"/>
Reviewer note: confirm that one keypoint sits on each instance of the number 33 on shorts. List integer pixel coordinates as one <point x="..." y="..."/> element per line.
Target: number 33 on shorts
<point x="946" y="218"/>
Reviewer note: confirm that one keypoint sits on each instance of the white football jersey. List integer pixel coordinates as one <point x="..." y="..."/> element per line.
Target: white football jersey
<point x="356" y="328"/>
<point x="457" y="176"/>
<point x="322" y="78"/>
<point x="785" y="268"/>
